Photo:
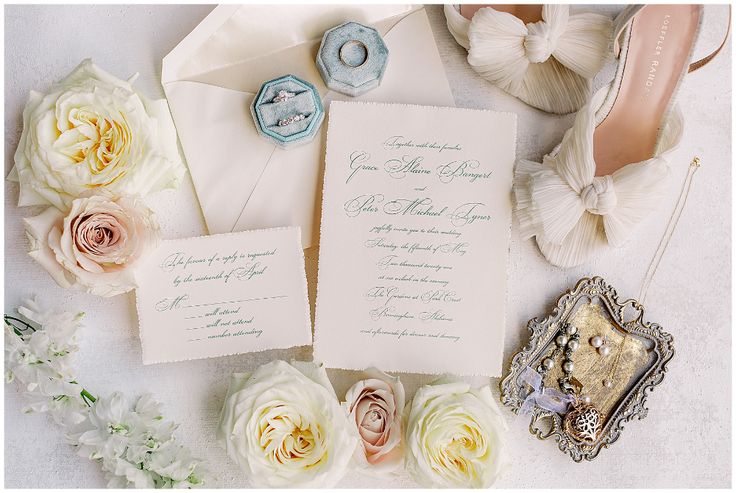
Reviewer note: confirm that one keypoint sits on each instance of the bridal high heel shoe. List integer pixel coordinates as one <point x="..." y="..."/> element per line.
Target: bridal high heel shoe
<point x="610" y="170"/>
<point x="543" y="55"/>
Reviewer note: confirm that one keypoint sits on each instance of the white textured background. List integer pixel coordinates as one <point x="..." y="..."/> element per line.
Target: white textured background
<point x="684" y="442"/>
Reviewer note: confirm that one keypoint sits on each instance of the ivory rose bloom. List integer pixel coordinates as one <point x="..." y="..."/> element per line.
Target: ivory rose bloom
<point x="94" y="131"/>
<point x="374" y="406"/>
<point x="284" y="427"/>
<point x="96" y="245"/>
<point x="454" y="436"/>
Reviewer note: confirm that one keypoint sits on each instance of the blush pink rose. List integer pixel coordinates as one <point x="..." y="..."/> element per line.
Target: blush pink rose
<point x="96" y="245"/>
<point x="374" y="406"/>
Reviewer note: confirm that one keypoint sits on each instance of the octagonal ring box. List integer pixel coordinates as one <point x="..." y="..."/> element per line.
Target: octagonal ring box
<point x="352" y="58"/>
<point x="288" y="111"/>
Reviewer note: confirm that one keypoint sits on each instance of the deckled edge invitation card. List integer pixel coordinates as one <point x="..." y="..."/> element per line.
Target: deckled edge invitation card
<point x="416" y="218"/>
<point x="223" y="294"/>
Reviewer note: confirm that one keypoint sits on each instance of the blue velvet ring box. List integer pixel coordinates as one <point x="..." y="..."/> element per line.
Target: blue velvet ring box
<point x="352" y="58"/>
<point x="288" y="111"/>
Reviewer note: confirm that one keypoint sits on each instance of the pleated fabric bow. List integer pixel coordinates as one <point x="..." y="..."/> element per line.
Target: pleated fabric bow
<point x="571" y="212"/>
<point x="547" y="64"/>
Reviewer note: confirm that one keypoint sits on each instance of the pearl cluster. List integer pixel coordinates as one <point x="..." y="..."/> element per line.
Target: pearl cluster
<point x="604" y="349"/>
<point x="563" y="342"/>
<point x="567" y="342"/>
<point x="601" y="344"/>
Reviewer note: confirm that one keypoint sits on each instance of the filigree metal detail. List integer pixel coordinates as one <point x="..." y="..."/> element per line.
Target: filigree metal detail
<point x="584" y="423"/>
<point x="545" y="424"/>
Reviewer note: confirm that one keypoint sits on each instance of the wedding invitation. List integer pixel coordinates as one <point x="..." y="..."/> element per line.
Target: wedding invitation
<point x="416" y="217"/>
<point x="223" y="294"/>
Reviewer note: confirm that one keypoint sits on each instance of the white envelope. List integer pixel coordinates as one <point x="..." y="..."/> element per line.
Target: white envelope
<point x="242" y="180"/>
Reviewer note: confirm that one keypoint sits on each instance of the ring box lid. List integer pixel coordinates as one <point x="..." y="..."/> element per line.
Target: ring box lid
<point x="363" y="43"/>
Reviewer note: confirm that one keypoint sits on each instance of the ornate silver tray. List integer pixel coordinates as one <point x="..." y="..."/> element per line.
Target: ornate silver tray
<point x="594" y="307"/>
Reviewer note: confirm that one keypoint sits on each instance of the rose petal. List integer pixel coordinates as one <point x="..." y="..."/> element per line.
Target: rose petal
<point x="91" y="246"/>
<point x="94" y="131"/>
<point x="285" y="428"/>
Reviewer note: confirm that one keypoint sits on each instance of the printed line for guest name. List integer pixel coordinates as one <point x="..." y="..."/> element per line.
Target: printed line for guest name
<point x="236" y="301"/>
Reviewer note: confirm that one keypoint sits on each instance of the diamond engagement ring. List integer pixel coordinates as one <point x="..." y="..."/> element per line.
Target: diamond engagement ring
<point x="283" y="96"/>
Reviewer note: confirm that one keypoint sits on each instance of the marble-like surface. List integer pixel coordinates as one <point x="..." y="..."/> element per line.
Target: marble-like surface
<point x="684" y="442"/>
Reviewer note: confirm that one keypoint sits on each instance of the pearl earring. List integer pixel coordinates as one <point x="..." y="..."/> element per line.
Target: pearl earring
<point x="601" y="344"/>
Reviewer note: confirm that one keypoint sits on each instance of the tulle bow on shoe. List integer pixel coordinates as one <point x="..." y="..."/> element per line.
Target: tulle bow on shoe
<point x="572" y="212"/>
<point x="547" y="64"/>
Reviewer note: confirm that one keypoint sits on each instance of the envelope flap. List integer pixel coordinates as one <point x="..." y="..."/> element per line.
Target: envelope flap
<point x="234" y="34"/>
<point x="243" y="181"/>
<point x="225" y="155"/>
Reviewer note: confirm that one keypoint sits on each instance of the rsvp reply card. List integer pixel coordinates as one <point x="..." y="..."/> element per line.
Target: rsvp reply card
<point x="223" y="294"/>
<point x="416" y="218"/>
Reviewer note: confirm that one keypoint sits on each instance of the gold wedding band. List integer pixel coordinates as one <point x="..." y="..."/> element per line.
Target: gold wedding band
<point x="347" y="45"/>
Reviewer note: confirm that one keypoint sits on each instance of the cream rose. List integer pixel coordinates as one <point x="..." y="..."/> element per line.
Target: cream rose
<point x="374" y="406"/>
<point x="94" y="131"/>
<point x="454" y="436"/>
<point x="94" y="247"/>
<point x="284" y="427"/>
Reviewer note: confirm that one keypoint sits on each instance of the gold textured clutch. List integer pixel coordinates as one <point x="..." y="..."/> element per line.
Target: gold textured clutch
<point x="594" y="361"/>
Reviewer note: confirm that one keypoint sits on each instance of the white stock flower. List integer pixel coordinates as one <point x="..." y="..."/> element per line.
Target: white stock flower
<point x="40" y="361"/>
<point x="104" y="434"/>
<point x="176" y="464"/>
<point x="130" y="438"/>
<point x="96" y="245"/>
<point x="454" y="436"/>
<point x="285" y="427"/>
<point x="94" y="131"/>
<point x="60" y="399"/>
<point x="125" y="474"/>
<point x="61" y="326"/>
<point x="135" y="445"/>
